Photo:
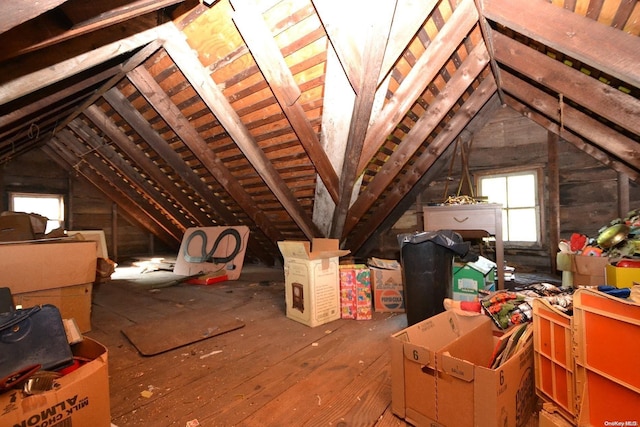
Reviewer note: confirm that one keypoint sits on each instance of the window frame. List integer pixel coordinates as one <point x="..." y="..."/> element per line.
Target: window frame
<point x="538" y="172"/>
<point x="61" y="204"/>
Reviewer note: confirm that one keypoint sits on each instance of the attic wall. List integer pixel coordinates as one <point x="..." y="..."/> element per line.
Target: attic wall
<point x="588" y="189"/>
<point x="87" y="209"/>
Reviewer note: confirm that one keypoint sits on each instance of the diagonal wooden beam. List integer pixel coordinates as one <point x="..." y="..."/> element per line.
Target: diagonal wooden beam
<point x="614" y="105"/>
<point x="82" y="160"/>
<point x="28" y="83"/>
<point x="106" y="152"/>
<point x="269" y="59"/>
<point x="161" y="102"/>
<point x="23" y="10"/>
<point x="409" y="17"/>
<point x="438" y="52"/>
<point x="56" y="150"/>
<point x="127" y="66"/>
<point x="456" y="87"/>
<point x="607" y="49"/>
<point x="215" y="100"/>
<point x="137" y="122"/>
<point x="603" y="136"/>
<point x="381" y="14"/>
<point x="578" y="142"/>
<point x="463" y="116"/>
<point x="138" y="157"/>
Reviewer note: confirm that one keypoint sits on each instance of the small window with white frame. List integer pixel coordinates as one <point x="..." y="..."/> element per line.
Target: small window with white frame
<point x="50" y="206"/>
<point x="518" y="193"/>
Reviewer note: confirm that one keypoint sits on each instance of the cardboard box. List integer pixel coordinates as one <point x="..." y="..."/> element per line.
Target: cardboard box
<point x="472" y="277"/>
<point x="355" y="292"/>
<point x="312" y="280"/>
<point x="581" y="270"/>
<point x="386" y="285"/>
<point x="440" y="378"/>
<point x="588" y="270"/>
<point x="15" y="227"/>
<point x="74" y="302"/>
<point x="81" y="398"/>
<point x="34" y="266"/>
<point x="621" y="277"/>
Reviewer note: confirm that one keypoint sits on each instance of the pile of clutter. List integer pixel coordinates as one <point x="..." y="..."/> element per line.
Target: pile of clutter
<point x="619" y="240"/>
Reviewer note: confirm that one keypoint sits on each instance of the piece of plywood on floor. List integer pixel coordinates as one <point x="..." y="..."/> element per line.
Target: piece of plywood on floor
<point x="157" y="336"/>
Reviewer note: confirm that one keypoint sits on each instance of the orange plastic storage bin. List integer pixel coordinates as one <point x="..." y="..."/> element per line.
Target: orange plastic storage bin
<point x="607" y="337"/>
<point x="554" y="359"/>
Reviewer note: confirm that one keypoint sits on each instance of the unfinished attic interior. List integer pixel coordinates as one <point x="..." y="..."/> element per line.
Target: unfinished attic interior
<point x="296" y="120"/>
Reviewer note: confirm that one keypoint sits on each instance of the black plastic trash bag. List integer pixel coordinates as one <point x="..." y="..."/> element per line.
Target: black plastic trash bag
<point x="427" y="270"/>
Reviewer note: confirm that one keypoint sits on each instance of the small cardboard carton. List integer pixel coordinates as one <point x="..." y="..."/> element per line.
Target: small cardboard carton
<point x="588" y="270"/>
<point x="80" y="399"/>
<point x="312" y="280"/>
<point x="472" y="277"/>
<point x="440" y="375"/>
<point x="386" y="284"/>
<point x="355" y="292"/>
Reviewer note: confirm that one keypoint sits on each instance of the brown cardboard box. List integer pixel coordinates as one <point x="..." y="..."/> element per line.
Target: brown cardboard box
<point x="15" y="227"/>
<point x="82" y="398"/>
<point x="386" y="285"/>
<point x="312" y="280"/>
<point x="34" y="266"/>
<point x="588" y="270"/>
<point x="440" y="378"/>
<point x="74" y="302"/>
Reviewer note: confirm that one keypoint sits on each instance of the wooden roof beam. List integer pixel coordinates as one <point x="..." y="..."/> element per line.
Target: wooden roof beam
<point x="23" y="10"/>
<point x="603" y="136"/>
<point x="463" y="116"/>
<point x="607" y="49"/>
<point x="578" y="142"/>
<point x="269" y="58"/>
<point x="437" y="111"/>
<point x="376" y="36"/>
<point x="126" y="192"/>
<point x="438" y="52"/>
<point x="57" y="151"/>
<point x="212" y="96"/>
<point x="161" y="102"/>
<point x="610" y="103"/>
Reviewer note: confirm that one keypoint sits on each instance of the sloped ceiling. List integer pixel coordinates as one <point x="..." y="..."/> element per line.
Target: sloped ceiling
<point x="298" y="118"/>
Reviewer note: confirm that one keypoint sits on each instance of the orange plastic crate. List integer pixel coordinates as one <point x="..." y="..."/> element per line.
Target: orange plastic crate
<point x="607" y="334"/>
<point x="554" y="359"/>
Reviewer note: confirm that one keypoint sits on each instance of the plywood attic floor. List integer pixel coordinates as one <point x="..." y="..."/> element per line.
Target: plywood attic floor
<point x="272" y="372"/>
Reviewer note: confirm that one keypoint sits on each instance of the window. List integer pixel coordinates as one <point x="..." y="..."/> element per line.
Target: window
<point x="517" y="192"/>
<point x="48" y="205"/>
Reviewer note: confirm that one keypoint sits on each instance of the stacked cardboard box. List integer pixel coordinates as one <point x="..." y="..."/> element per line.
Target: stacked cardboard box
<point x="386" y="284"/>
<point x="57" y="272"/>
<point x="355" y="292"/>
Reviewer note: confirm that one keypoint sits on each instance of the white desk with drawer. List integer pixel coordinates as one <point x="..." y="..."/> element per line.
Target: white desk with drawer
<point x="481" y="216"/>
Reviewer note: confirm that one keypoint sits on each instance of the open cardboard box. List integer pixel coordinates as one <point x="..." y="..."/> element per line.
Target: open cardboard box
<point x="80" y="399"/>
<point x="440" y="375"/>
<point x="312" y="280"/>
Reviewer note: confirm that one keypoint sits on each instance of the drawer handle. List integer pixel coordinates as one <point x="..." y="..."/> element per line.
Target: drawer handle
<point x="461" y="220"/>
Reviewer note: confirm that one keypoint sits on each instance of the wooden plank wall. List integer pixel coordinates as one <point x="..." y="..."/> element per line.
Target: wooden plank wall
<point x="588" y="190"/>
<point x="87" y="209"/>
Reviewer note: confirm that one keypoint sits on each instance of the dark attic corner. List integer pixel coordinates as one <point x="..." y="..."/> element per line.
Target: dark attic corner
<point x="284" y="212"/>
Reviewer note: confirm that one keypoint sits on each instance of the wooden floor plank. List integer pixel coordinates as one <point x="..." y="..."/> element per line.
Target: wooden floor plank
<point x="272" y="372"/>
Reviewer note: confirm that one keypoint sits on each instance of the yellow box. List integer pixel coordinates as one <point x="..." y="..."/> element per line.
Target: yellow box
<point x="622" y="277"/>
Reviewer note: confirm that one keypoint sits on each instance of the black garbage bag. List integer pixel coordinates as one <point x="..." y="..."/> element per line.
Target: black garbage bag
<point x="427" y="269"/>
